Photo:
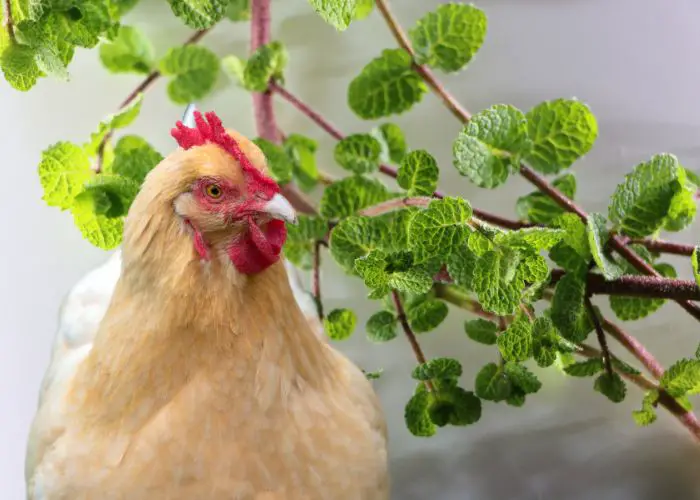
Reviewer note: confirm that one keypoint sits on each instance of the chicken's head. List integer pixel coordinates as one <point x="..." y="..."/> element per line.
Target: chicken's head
<point x="230" y="205"/>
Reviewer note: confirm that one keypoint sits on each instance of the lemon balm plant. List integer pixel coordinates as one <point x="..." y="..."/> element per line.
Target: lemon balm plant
<point x="415" y="248"/>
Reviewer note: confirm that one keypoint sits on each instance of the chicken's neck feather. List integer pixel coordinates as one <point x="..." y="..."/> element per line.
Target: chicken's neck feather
<point x="174" y="317"/>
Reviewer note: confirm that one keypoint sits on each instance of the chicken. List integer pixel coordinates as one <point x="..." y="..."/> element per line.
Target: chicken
<point x="185" y="369"/>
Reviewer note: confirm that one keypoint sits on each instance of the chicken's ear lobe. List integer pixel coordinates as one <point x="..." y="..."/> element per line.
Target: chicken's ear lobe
<point x="188" y="115"/>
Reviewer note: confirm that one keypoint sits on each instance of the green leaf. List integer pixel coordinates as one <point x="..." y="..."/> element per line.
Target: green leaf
<point x="416" y="415"/>
<point x="460" y="265"/>
<point x="199" y="14"/>
<point x="515" y="343"/>
<point x="545" y="342"/>
<point x="576" y="236"/>
<point x="539" y="208"/>
<point x="392" y="140"/>
<point x="195" y="70"/>
<point x="454" y="406"/>
<point x="382" y="272"/>
<point x="499" y="279"/>
<point x="301" y="238"/>
<point x="381" y="327"/>
<point x="340" y="323"/>
<point x="363" y="9"/>
<point x="48" y="60"/>
<point x="19" y="66"/>
<point x="522" y="378"/>
<point x="683" y="207"/>
<point x="358" y="153"/>
<point x="302" y="151"/>
<point x="63" y="171"/>
<point x="492" y="383"/>
<point x="134" y="158"/>
<point x="440" y="228"/>
<point x="130" y="52"/>
<point x="438" y="368"/>
<point x="234" y="67"/>
<point x="598" y="236"/>
<point x="387" y="85"/>
<point x="113" y="194"/>
<point x="562" y="131"/>
<point x="373" y="375"/>
<point x="266" y="63"/>
<point x="490" y="145"/>
<point x="418" y="173"/>
<point x="695" y="260"/>
<point x="586" y="368"/>
<point x="682" y="378"/>
<point x="569" y="314"/>
<point x="337" y="13"/>
<point x="482" y="331"/>
<point x="623" y="367"/>
<point x="641" y="204"/>
<point x="449" y="37"/>
<point x="279" y="163"/>
<point x="647" y="415"/>
<point x="536" y="238"/>
<point x="122" y="118"/>
<point x="355" y="237"/>
<point x="351" y="194"/>
<point x="102" y="231"/>
<point x="612" y="387"/>
<point x="427" y="315"/>
<point x="238" y="10"/>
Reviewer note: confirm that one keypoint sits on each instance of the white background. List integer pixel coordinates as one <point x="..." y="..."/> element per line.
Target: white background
<point x="634" y="61"/>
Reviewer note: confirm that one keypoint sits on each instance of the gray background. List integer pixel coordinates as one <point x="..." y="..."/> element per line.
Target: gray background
<point x="633" y="61"/>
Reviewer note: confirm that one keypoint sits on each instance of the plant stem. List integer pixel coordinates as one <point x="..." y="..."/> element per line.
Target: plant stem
<point x="638" y="286"/>
<point x="394" y="204"/>
<point x="9" y="23"/>
<point x="317" y="278"/>
<point x="263" y="106"/>
<point x="417" y="351"/>
<point x="141" y="87"/>
<point x="635" y="348"/>
<point x="662" y="246"/>
<point x="602" y="341"/>
<point x="540" y="182"/>
<point x="428" y="76"/>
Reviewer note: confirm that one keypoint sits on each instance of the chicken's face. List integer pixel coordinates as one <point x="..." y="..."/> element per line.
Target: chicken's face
<point x="231" y="206"/>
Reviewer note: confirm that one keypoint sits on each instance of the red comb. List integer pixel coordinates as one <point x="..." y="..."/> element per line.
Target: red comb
<point x="212" y="131"/>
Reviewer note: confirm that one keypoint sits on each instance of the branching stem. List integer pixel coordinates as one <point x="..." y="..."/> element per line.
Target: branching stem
<point x="141" y="87"/>
<point x="417" y="351"/>
<point x="686" y="418"/>
<point x="536" y="179"/>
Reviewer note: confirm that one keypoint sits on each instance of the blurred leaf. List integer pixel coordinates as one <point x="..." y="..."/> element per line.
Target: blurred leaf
<point x="539" y="208"/>
<point x="392" y="140"/>
<point x="195" y="70"/>
<point x="340" y="323"/>
<point x="612" y="387"/>
<point x="381" y="326"/>
<point x="347" y="196"/>
<point x="482" y="331"/>
<point x="134" y="158"/>
<point x="130" y="52"/>
<point x="337" y="13"/>
<point x="439" y="368"/>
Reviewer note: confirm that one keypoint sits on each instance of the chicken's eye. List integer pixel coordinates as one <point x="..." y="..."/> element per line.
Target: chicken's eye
<point x="214" y="191"/>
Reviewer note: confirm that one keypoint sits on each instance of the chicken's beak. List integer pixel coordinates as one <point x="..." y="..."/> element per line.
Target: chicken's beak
<point x="279" y="208"/>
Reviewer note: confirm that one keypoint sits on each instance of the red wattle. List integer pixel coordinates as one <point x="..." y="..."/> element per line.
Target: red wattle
<point x="258" y="249"/>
